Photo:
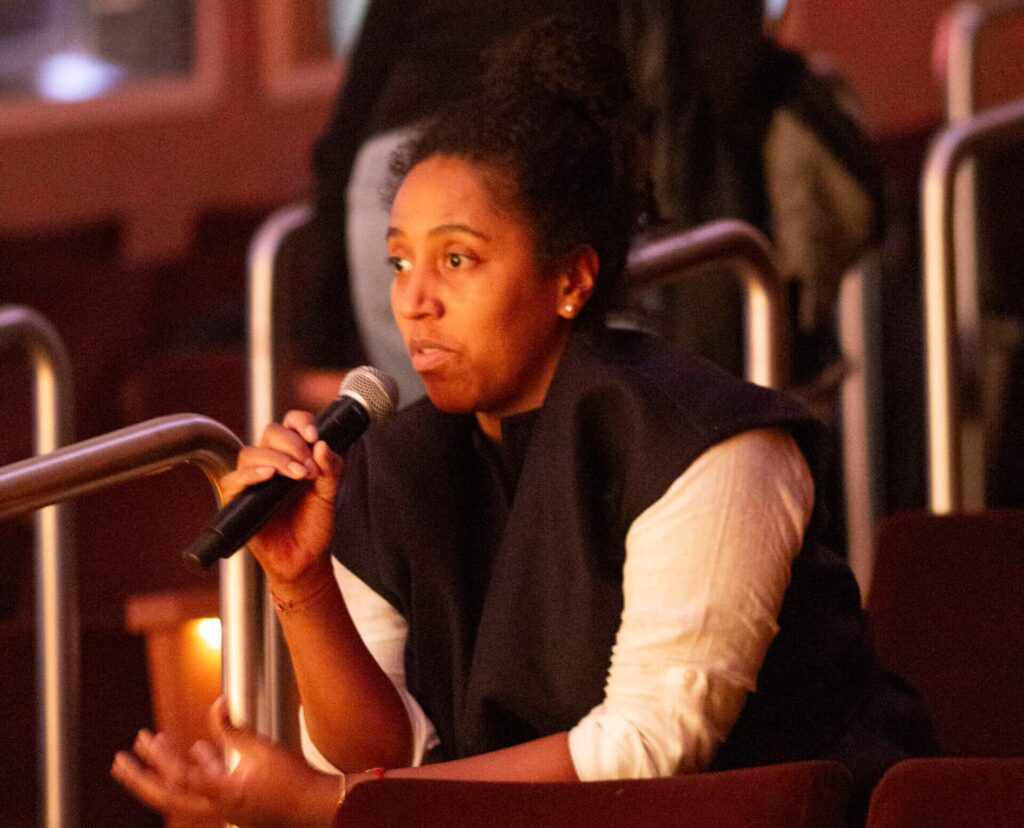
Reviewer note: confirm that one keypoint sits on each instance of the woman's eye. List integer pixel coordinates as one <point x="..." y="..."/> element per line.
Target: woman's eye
<point x="398" y="264"/>
<point x="457" y="260"/>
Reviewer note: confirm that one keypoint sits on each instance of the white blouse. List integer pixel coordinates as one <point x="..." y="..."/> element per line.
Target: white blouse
<point x="705" y="572"/>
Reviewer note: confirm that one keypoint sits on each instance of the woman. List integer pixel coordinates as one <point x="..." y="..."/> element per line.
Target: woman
<point x="585" y="556"/>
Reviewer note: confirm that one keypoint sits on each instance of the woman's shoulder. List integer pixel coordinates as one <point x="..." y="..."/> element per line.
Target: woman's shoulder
<point x="635" y="384"/>
<point x="652" y="368"/>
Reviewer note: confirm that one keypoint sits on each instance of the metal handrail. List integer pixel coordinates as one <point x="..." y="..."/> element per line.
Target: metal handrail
<point x="263" y="251"/>
<point x="129" y="453"/>
<point x="57" y="621"/>
<point x="991" y="129"/>
<point x="273" y="667"/>
<point x="749" y="253"/>
<point x="965" y="23"/>
<point x="862" y="419"/>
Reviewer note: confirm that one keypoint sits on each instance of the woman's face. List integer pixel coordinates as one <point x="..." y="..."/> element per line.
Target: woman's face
<point x="484" y="324"/>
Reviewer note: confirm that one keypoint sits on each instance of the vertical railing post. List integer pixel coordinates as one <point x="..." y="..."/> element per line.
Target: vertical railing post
<point x="271" y="671"/>
<point x="1003" y="126"/>
<point x="861" y="420"/>
<point x="964" y="25"/>
<point x="58" y="633"/>
<point x="748" y="254"/>
<point x="123" y="455"/>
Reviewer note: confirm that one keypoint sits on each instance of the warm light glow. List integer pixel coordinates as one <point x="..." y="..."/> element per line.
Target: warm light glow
<point x="208" y="630"/>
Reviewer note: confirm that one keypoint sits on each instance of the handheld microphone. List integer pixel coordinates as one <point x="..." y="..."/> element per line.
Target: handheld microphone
<point x="366" y="396"/>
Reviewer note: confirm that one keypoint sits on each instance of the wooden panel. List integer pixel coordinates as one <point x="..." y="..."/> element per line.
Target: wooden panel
<point x="156" y="156"/>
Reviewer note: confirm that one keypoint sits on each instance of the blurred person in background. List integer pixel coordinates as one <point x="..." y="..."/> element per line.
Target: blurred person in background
<point x="742" y="128"/>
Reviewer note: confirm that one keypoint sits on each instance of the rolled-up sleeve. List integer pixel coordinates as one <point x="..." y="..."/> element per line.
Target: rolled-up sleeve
<point x="706" y="569"/>
<point x="384" y="632"/>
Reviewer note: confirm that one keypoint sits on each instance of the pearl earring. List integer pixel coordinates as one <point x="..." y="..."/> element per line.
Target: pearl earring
<point x="569" y="308"/>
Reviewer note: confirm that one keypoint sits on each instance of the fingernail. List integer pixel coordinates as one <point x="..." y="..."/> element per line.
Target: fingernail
<point x="296" y="469"/>
<point x="310" y="433"/>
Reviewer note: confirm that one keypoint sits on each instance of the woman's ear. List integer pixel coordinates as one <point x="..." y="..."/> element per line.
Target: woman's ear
<point x="576" y="280"/>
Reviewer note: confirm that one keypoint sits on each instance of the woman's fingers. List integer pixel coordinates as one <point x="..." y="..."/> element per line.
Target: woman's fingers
<point x="208" y="758"/>
<point x="209" y="777"/>
<point x="195" y="785"/>
<point x="327" y="461"/>
<point x="298" y="465"/>
<point x="283" y="453"/>
<point x="219" y="719"/>
<point x="142" y="782"/>
<point x="279" y="437"/>
<point x="269" y="785"/>
<point x="284" y="457"/>
<point x="302" y="423"/>
<point x="286" y="447"/>
<point x="156" y="752"/>
<point x="148" y="784"/>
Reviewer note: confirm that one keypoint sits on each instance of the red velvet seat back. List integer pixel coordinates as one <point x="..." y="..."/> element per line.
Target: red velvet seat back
<point x="795" y="795"/>
<point x="934" y="793"/>
<point x="947" y="602"/>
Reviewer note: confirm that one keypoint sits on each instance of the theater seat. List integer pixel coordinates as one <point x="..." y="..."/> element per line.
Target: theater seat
<point x="946" y="602"/>
<point x="936" y="793"/>
<point x="795" y="795"/>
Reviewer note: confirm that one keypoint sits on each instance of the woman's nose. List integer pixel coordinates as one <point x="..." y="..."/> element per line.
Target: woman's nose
<point x="414" y="293"/>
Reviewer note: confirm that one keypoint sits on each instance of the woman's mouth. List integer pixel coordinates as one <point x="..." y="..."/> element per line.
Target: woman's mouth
<point x="428" y="356"/>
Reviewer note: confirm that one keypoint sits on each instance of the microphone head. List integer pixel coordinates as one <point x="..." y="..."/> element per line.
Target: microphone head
<point x="375" y="390"/>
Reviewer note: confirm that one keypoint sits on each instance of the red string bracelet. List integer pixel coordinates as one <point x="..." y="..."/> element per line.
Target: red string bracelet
<point x="285" y="605"/>
<point x="378" y="772"/>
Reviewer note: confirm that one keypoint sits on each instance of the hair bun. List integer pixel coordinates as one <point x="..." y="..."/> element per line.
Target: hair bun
<point x="565" y="60"/>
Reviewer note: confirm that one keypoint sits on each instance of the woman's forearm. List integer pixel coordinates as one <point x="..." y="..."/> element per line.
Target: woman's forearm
<point x="352" y="711"/>
<point x="546" y="759"/>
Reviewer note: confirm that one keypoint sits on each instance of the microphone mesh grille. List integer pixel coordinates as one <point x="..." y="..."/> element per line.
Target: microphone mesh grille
<point x="377" y="391"/>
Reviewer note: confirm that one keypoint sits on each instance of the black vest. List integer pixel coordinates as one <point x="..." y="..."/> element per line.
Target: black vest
<point x="527" y="655"/>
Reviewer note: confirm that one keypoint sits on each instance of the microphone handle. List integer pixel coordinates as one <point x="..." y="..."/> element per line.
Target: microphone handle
<point x="339" y="425"/>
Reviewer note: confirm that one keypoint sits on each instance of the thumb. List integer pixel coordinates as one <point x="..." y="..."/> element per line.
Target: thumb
<point x="221" y="727"/>
<point x="227" y="733"/>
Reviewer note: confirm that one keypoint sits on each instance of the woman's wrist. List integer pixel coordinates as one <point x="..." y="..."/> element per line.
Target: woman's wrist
<point x="305" y="590"/>
<point x="326" y="796"/>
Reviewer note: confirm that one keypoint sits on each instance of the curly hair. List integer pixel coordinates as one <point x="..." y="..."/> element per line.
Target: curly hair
<point x="554" y="115"/>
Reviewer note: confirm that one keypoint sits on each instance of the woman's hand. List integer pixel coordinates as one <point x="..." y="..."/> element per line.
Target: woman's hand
<point x="269" y="785"/>
<point x="291" y="548"/>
